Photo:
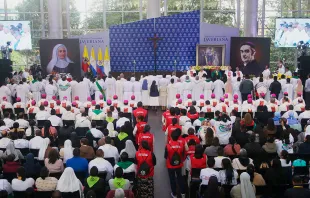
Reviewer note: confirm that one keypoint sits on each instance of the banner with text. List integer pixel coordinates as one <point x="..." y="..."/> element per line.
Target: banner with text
<point x="211" y="34"/>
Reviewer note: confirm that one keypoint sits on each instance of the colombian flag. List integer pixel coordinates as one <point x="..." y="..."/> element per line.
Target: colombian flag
<point x="85" y="61"/>
<point x="100" y="69"/>
<point x="107" y="67"/>
<point x="93" y="64"/>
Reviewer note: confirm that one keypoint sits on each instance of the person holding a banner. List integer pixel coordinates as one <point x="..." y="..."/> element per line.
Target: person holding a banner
<point x="99" y="88"/>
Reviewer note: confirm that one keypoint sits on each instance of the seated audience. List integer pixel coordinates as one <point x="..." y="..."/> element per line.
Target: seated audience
<point x="213" y="149"/>
<point x="6" y="187"/>
<point x="48" y="131"/>
<point x="64" y="133"/>
<point x="275" y="175"/>
<point x="119" y="181"/>
<point x="125" y="164"/>
<point x="253" y="148"/>
<point x="207" y="173"/>
<point x="77" y="163"/>
<point x="120" y="193"/>
<point x="297" y="190"/>
<point x="94" y="182"/>
<point x="130" y="149"/>
<point x="30" y="132"/>
<point x="86" y="151"/>
<point x="198" y="159"/>
<point x="53" y="163"/>
<point x="21" y="121"/>
<point x="42" y="114"/>
<point x="207" y="137"/>
<point x="228" y="175"/>
<point x="270" y="146"/>
<point x="66" y="152"/>
<point x="232" y="148"/>
<point x="36" y="142"/>
<point x="16" y="128"/>
<point x="256" y="178"/>
<point x="20" y="142"/>
<point x="4" y="141"/>
<point x="10" y="149"/>
<point x="44" y="182"/>
<point x="242" y="161"/>
<point x="304" y="148"/>
<point x="244" y="189"/>
<point x="10" y="165"/>
<point x="45" y="148"/>
<point x="75" y="140"/>
<point x="54" y="119"/>
<point x="69" y="183"/>
<point x="284" y="158"/>
<point x="121" y="138"/>
<point x="109" y="150"/>
<point x="31" y="166"/>
<point x="94" y="131"/>
<point x="101" y="164"/>
<point x="219" y="158"/>
<point x="83" y="121"/>
<point x="22" y="183"/>
<point x="214" y="190"/>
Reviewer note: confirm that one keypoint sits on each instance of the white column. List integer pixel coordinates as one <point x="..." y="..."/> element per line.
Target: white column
<point x="54" y="19"/>
<point x="153" y="8"/>
<point x="250" y="18"/>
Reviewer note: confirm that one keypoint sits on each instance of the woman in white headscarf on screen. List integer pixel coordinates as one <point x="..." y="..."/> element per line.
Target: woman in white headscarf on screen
<point x="68" y="182"/>
<point x="60" y="60"/>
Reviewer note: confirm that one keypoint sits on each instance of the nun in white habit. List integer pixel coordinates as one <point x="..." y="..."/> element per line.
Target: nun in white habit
<point x="60" y="60"/>
<point x="68" y="182"/>
<point x="66" y="152"/>
<point x="245" y="189"/>
<point x="129" y="149"/>
<point x="43" y="148"/>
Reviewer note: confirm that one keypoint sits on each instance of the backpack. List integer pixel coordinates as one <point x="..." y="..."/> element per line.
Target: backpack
<point x="176" y="159"/>
<point x="144" y="168"/>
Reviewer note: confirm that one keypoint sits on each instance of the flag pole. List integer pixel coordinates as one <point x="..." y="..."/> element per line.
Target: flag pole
<point x="175" y="66"/>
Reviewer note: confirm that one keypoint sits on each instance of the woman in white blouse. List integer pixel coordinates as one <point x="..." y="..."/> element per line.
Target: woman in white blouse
<point x="22" y="183"/>
<point x="229" y="175"/>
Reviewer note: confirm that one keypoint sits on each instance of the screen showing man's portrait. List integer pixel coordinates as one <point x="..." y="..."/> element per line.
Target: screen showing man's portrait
<point x="251" y="55"/>
<point x="210" y="55"/>
<point x="60" y="56"/>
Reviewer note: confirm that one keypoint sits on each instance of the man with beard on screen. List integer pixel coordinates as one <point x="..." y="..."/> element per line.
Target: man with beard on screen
<point x="250" y="65"/>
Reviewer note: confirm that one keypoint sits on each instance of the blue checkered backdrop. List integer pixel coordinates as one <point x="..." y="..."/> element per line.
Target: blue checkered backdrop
<point x="179" y="35"/>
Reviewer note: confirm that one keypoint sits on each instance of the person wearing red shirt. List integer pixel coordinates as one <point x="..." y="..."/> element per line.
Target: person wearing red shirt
<point x="146" y="136"/>
<point x="191" y="135"/>
<point x="192" y="113"/>
<point x="171" y="128"/>
<point x="145" y="161"/>
<point x="10" y="165"/>
<point x="175" y="155"/>
<point x="140" y="111"/>
<point x="191" y="147"/>
<point x="199" y="159"/>
<point x="168" y="120"/>
<point x="165" y="114"/>
<point x="139" y="127"/>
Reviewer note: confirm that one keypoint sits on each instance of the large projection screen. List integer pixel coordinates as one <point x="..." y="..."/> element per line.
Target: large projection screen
<point x="289" y="32"/>
<point x="17" y="32"/>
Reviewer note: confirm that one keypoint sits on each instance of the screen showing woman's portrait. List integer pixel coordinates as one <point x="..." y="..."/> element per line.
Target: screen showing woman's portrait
<point x="60" y="60"/>
<point x="60" y="56"/>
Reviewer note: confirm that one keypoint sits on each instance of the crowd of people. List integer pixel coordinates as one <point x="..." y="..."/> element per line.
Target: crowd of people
<point x="226" y="135"/>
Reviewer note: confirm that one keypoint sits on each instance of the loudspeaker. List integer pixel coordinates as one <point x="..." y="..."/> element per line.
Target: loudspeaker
<point x="5" y="69"/>
<point x="304" y="68"/>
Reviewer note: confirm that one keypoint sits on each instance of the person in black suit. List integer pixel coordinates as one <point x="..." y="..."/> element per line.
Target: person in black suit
<point x="250" y="65"/>
<point x="297" y="191"/>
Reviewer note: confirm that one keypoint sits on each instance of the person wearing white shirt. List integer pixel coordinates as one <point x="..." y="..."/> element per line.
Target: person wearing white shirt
<point x="96" y="114"/>
<point x="287" y="73"/>
<point x="300" y="106"/>
<point x="22" y="122"/>
<point x="42" y="114"/>
<point x="5" y="185"/>
<point x="95" y="132"/>
<point x="36" y="142"/>
<point x="281" y="68"/>
<point x="266" y="73"/>
<point x="4" y="141"/>
<point x="7" y="120"/>
<point x="68" y="115"/>
<point x="121" y="121"/>
<point x="83" y="121"/>
<point x="101" y="164"/>
<point x="109" y="150"/>
<point x="22" y="183"/>
<point x="305" y="114"/>
<point x="206" y="173"/>
<point x="21" y="143"/>
<point x="55" y="120"/>
<point x="290" y="112"/>
<point x="198" y="121"/>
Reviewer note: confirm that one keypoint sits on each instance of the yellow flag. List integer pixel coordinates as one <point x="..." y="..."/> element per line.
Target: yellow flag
<point x="85" y="61"/>
<point x="107" y="67"/>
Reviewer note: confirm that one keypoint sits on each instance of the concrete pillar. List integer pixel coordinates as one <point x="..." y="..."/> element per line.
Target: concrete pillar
<point x="153" y="8"/>
<point x="55" y="19"/>
<point x="250" y="18"/>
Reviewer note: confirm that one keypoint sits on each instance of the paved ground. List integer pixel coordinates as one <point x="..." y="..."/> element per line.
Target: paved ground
<point x="161" y="179"/>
